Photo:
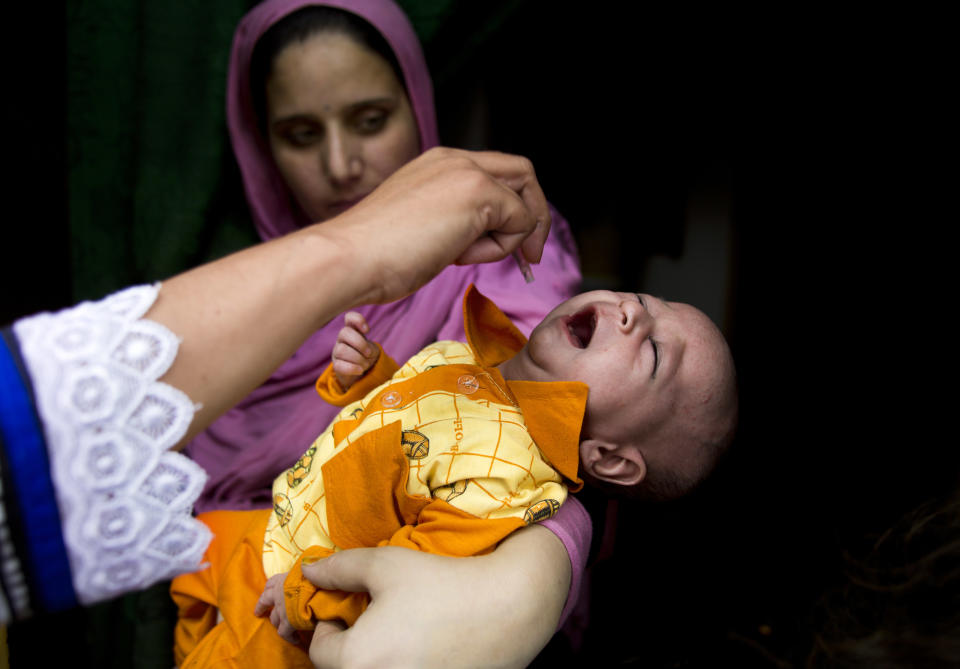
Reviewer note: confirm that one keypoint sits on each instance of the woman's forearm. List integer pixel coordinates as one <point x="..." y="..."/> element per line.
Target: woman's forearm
<point x="535" y="566"/>
<point x="509" y="600"/>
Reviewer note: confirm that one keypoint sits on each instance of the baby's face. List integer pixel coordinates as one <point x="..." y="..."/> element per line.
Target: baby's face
<point x="650" y="364"/>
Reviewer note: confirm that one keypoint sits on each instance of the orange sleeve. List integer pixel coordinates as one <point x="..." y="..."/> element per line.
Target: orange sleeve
<point x="443" y="529"/>
<point x="307" y="604"/>
<point x="332" y="392"/>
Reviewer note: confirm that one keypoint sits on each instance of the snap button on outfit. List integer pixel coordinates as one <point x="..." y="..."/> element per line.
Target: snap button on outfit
<point x="468" y="384"/>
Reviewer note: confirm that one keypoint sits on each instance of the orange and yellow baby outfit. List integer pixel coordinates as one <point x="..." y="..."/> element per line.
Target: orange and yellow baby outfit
<point x="441" y="455"/>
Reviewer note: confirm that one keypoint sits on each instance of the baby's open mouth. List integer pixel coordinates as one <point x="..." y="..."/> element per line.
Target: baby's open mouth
<point x="581" y="326"/>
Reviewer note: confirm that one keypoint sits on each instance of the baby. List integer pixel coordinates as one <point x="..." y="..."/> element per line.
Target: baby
<point x="461" y="446"/>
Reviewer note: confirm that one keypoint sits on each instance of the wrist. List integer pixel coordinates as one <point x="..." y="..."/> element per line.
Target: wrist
<point x="344" y="242"/>
<point x="324" y="246"/>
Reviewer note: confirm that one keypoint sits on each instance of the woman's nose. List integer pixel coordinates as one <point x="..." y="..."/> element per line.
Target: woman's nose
<point x="342" y="160"/>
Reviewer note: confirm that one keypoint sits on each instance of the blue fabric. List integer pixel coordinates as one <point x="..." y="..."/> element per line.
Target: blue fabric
<point x="26" y="455"/>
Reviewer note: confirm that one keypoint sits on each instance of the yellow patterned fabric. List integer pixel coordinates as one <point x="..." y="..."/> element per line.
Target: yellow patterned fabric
<point x="443" y="439"/>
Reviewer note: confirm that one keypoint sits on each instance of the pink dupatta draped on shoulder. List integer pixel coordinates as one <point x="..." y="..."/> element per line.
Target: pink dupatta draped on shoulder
<point x="246" y="448"/>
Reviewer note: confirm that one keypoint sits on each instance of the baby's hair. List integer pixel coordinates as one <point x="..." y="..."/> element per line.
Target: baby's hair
<point x="663" y="483"/>
<point x="301" y="25"/>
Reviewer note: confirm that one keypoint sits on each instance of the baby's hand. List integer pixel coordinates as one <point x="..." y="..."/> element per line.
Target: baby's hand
<point x="353" y="354"/>
<point x="271" y="601"/>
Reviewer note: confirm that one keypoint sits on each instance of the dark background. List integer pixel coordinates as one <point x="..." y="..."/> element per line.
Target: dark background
<point x="796" y="140"/>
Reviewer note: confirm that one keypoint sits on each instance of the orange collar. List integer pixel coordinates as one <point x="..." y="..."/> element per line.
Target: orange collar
<point x="552" y="410"/>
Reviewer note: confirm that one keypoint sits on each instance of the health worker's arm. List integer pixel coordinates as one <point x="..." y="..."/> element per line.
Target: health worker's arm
<point x="239" y="318"/>
<point x="85" y="424"/>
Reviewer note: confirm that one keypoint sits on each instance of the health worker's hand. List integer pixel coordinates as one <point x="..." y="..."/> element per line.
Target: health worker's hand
<point x="443" y="207"/>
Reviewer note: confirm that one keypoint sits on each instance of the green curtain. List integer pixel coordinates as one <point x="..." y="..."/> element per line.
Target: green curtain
<point x="149" y="176"/>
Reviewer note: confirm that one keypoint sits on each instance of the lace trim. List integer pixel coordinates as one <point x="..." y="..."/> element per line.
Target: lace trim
<point x="125" y="500"/>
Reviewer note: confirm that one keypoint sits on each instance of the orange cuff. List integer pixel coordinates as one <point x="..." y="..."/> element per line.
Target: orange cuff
<point x="332" y="392"/>
<point x="307" y="604"/>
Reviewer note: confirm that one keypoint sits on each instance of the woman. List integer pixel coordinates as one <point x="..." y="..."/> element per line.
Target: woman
<point x="318" y="117"/>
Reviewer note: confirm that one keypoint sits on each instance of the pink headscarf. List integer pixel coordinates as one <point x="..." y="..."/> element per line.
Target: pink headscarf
<point x="246" y="448"/>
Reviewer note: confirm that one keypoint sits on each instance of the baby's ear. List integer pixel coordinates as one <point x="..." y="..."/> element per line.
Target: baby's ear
<point x="620" y="465"/>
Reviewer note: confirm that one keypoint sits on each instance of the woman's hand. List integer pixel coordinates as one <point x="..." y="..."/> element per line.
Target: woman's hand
<point x="496" y="610"/>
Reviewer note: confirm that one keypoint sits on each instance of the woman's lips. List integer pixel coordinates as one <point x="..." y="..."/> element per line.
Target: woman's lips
<point x="580" y="327"/>
<point x="340" y="206"/>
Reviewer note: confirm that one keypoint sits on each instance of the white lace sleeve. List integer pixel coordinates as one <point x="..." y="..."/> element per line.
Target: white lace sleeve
<point x="125" y="500"/>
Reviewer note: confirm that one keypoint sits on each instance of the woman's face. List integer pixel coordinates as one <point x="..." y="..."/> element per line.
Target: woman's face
<point x="339" y="122"/>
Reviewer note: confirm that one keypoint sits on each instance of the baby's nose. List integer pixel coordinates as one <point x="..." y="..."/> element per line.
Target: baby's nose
<point x="634" y="315"/>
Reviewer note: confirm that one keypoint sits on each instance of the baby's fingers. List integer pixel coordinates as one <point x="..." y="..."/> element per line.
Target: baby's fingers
<point x="343" y="353"/>
<point x="352" y="339"/>
<point x="355" y="320"/>
<point x="284" y="629"/>
<point x="347" y="370"/>
<point x="263" y="606"/>
<point x="272" y="595"/>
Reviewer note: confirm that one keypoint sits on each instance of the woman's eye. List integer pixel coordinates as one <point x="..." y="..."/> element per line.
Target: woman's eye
<point x="301" y="135"/>
<point x="370" y="122"/>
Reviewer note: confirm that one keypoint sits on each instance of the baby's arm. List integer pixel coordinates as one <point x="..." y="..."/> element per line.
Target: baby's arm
<point x="353" y="354"/>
